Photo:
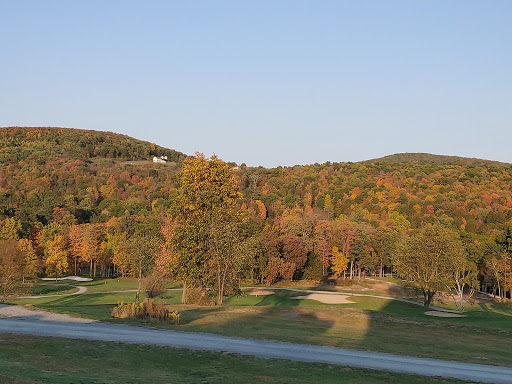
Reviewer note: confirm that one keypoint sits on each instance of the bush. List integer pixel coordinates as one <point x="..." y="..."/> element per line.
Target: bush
<point x="147" y="310"/>
<point x="199" y="296"/>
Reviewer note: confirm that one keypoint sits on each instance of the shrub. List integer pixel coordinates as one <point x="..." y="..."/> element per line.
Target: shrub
<point x="147" y="310"/>
<point x="199" y="296"/>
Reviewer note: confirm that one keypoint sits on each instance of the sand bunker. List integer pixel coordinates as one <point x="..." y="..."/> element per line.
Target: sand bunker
<point x="261" y="292"/>
<point x="443" y="314"/>
<point x="74" y="278"/>
<point x="326" y="298"/>
<point x="20" y="312"/>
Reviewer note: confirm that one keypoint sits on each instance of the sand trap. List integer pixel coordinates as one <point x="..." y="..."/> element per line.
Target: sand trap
<point x="74" y="278"/>
<point x="326" y="298"/>
<point x="261" y="292"/>
<point x="22" y="312"/>
<point x="443" y="314"/>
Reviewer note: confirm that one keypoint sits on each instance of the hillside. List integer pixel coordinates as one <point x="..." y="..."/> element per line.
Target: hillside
<point x="51" y="173"/>
<point x="45" y="143"/>
<point x="474" y="197"/>
<point x="427" y="158"/>
<point x="58" y="185"/>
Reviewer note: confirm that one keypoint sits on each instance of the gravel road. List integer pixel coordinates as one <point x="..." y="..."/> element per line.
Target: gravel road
<point x="15" y="319"/>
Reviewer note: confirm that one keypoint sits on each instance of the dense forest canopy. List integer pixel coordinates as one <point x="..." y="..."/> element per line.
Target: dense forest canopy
<point x="427" y="158"/>
<point x="83" y="195"/>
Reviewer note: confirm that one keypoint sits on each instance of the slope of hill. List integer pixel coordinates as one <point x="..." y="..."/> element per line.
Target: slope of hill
<point x="51" y="173"/>
<point x="474" y="197"/>
<point x="427" y="158"/>
<point x="41" y="143"/>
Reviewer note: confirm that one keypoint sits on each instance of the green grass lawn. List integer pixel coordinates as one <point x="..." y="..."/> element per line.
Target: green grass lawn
<point x="34" y="359"/>
<point x="48" y="288"/>
<point x="104" y="285"/>
<point x="369" y="323"/>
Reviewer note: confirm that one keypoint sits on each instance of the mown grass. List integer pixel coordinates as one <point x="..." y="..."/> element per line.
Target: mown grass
<point x="49" y="289"/>
<point x="373" y="324"/>
<point x="31" y="359"/>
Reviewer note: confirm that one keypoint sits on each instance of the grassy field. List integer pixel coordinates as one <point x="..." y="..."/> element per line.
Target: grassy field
<point x="48" y="288"/>
<point x="60" y="361"/>
<point x="369" y="323"/>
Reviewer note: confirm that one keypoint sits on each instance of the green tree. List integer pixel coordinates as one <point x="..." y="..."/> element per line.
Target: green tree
<point x="424" y="258"/>
<point x="227" y="251"/>
<point x="143" y="249"/>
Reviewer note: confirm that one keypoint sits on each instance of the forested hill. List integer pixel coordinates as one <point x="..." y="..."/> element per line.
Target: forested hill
<point x="77" y="176"/>
<point x="46" y="143"/>
<point x="469" y="196"/>
<point x="427" y="158"/>
<point x="50" y="173"/>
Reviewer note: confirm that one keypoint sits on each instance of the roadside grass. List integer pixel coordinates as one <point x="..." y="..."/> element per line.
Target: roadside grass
<point x="35" y="359"/>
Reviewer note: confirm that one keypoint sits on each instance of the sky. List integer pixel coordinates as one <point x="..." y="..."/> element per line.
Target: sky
<point x="267" y="82"/>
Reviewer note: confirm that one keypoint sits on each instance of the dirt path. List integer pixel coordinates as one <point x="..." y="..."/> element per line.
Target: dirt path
<point x="15" y="319"/>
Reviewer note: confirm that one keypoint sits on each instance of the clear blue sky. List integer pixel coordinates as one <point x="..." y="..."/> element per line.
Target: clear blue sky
<point x="270" y="82"/>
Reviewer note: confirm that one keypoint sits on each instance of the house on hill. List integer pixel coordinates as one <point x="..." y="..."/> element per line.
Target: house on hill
<point x="160" y="159"/>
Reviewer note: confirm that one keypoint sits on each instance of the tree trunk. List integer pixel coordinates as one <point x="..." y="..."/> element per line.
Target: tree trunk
<point x="184" y="293"/>
<point x="90" y="269"/>
<point x="428" y="295"/>
<point x="137" y="296"/>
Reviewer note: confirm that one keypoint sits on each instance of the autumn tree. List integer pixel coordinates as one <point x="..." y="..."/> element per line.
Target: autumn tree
<point x="323" y="243"/>
<point x="30" y="262"/>
<point x="207" y="188"/>
<point x="339" y="261"/>
<point x="11" y="266"/>
<point x="344" y="234"/>
<point x="76" y="248"/>
<point x="57" y="257"/>
<point x="10" y="229"/>
<point x="504" y="265"/>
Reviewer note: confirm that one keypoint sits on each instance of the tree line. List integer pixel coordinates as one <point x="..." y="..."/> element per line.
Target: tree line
<point x="210" y="225"/>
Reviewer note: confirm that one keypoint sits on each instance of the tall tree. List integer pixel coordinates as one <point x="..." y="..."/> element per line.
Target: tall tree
<point x="323" y="243"/>
<point x="57" y="257"/>
<point x="11" y="266"/>
<point x="424" y="258"/>
<point x="226" y="251"/>
<point x="339" y="262"/>
<point x="206" y="188"/>
<point x="30" y="262"/>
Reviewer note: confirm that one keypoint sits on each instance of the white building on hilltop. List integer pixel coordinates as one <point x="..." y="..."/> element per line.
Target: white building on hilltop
<point x="159" y="159"/>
